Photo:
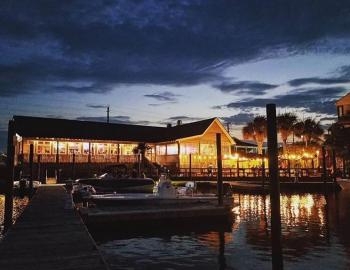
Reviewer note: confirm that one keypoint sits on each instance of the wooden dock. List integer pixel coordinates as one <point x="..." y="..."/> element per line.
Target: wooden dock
<point x="49" y="236"/>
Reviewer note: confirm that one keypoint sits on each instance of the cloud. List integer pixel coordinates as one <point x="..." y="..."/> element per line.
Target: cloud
<point x="317" y="80"/>
<point x="163" y="96"/>
<point x="119" y="119"/>
<point x="96" y="106"/>
<point x="239" y="119"/>
<point x="249" y="87"/>
<point x="319" y="100"/>
<point x="55" y="46"/>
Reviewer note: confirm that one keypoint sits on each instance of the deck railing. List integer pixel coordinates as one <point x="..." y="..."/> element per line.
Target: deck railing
<point x="249" y="172"/>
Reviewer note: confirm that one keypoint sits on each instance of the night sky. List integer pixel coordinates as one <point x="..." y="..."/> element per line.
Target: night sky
<point x="155" y="62"/>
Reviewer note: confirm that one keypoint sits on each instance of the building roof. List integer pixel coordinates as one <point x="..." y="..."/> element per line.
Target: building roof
<point x="244" y="143"/>
<point x="345" y="100"/>
<point x="27" y="126"/>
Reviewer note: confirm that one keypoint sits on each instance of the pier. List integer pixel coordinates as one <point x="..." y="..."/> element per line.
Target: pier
<point x="49" y="235"/>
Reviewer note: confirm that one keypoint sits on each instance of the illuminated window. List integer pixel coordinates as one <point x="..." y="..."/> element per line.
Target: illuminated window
<point x="114" y="149"/>
<point x="62" y="146"/>
<point x="172" y="149"/>
<point x="102" y="149"/>
<point x="208" y="149"/>
<point x="161" y="150"/>
<point x="127" y="149"/>
<point x="189" y="148"/>
<point x="74" y="148"/>
<point x="43" y="148"/>
<point x="85" y="148"/>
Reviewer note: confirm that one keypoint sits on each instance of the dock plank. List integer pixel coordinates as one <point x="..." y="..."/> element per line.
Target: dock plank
<point x="48" y="236"/>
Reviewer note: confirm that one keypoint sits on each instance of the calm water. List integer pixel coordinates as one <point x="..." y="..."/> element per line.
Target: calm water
<point x="315" y="228"/>
<point x="18" y="206"/>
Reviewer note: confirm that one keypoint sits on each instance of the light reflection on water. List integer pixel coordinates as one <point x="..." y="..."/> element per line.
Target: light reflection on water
<point x="18" y="206"/>
<point x="315" y="233"/>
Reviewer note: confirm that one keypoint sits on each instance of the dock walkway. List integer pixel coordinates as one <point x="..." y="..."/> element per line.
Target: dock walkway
<point x="48" y="236"/>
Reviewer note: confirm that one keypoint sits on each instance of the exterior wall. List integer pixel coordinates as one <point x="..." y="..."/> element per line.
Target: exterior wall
<point x="203" y="149"/>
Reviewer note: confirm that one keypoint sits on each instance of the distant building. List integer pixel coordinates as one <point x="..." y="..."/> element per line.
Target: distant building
<point x="55" y="141"/>
<point x="343" y="110"/>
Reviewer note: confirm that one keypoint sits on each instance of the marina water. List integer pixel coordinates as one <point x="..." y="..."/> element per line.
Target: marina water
<point x="315" y="234"/>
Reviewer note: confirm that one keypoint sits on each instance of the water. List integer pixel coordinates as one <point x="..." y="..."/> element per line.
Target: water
<point x="315" y="234"/>
<point x="18" y="206"/>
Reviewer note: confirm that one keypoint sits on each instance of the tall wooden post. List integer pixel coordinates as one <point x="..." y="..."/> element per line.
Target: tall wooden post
<point x="10" y="174"/>
<point x="324" y="164"/>
<point x="334" y="164"/>
<point x="39" y="168"/>
<point x="31" y="174"/>
<point x="263" y="173"/>
<point x="344" y="167"/>
<point x="190" y="169"/>
<point x="289" y="171"/>
<point x="73" y="165"/>
<point x="219" y="163"/>
<point x="277" y="259"/>
<point x="237" y="165"/>
<point x="57" y="162"/>
<point x="118" y="153"/>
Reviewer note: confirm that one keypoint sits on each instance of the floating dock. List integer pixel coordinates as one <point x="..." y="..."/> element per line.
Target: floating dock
<point x="49" y="236"/>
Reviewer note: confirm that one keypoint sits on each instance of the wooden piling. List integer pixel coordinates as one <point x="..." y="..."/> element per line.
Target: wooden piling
<point x="219" y="164"/>
<point x="10" y="174"/>
<point x="324" y="164"/>
<point x="31" y="161"/>
<point x="334" y="165"/>
<point x="73" y="166"/>
<point x="277" y="259"/>
<point x="190" y="169"/>
<point x="57" y="162"/>
<point x="39" y="168"/>
<point x="263" y="172"/>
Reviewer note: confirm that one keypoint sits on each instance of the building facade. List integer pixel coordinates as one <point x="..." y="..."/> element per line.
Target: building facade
<point x="59" y="141"/>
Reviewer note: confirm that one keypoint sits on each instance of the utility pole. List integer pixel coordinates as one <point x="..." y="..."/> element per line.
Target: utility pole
<point x="107" y="113"/>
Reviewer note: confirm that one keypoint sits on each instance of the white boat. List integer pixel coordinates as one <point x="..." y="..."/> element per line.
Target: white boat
<point x="164" y="193"/>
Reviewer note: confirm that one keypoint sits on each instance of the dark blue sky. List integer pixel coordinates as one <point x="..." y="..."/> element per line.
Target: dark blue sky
<point x="158" y="61"/>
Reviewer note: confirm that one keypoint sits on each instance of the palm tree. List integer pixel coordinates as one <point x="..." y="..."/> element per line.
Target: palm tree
<point x="256" y="130"/>
<point x="285" y="125"/>
<point x="309" y="130"/>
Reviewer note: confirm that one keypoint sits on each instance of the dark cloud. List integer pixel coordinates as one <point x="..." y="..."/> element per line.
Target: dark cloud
<point x="317" y="80"/>
<point x="92" y="46"/>
<point x="249" y="87"/>
<point x="96" y="106"/>
<point x="163" y="96"/>
<point x="119" y="119"/>
<point x="319" y="100"/>
<point x="329" y="119"/>
<point x="182" y="118"/>
<point x="239" y="119"/>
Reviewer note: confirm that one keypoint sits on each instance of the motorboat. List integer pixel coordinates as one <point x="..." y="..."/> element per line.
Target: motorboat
<point x="164" y="193"/>
<point x="110" y="183"/>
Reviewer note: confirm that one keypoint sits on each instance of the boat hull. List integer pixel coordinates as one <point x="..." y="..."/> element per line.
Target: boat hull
<point x="131" y="185"/>
<point x="151" y="199"/>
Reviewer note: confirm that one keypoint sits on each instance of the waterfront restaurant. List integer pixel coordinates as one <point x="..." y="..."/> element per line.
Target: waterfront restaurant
<point x="55" y="141"/>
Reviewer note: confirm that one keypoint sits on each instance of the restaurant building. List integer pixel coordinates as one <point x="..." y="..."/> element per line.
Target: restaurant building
<point x="56" y="140"/>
